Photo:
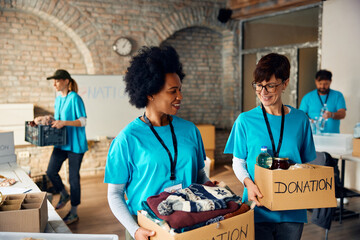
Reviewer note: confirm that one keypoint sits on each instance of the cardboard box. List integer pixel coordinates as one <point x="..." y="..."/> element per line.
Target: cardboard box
<point x="238" y="227"/>
<point x="8" y="158"/>
<point x="211" y="155"/>
<point x="6" y="143"/>
<point x="296" y="189"/>
<point x="207" y="132"/>
<point x="24" y="213"/>
<point x="356" y="147"/>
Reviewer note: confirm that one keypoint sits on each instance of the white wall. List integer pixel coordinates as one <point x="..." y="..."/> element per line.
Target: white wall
<point x="341" y="56"/>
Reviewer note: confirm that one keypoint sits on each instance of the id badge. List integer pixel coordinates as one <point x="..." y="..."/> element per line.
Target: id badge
<point x="173" y="188"/>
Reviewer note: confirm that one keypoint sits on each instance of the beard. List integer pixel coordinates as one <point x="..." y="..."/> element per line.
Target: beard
<point x="323" y="90"/>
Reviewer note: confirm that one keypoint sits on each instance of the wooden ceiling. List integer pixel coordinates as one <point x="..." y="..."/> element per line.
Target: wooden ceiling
<point x="249" y="8"/>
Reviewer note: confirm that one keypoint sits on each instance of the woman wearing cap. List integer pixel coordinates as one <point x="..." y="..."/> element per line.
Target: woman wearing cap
<point x="285" y="131"/>
<point x="69" y="113"/>
<point x="157" y="151"/>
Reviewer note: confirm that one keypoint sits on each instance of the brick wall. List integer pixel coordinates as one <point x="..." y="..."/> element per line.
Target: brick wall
<point x="200" y="52"/>
<point x="41" y="36"/>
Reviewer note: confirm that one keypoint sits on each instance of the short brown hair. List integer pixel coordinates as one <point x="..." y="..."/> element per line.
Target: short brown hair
<point x="270" y="64"/>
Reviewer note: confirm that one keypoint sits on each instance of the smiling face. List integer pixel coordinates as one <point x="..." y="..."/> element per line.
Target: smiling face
<point x="168" y="99"/>
<point x="272" y="97"/>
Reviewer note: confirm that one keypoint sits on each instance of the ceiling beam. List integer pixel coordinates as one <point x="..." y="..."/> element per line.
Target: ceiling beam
<point x="249" y="8"/>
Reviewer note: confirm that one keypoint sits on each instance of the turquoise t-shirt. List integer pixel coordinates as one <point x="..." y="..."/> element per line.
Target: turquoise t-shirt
<point x="71" y="108"/>
<point x="311" y="105"/>
<point x="249" y="133"/>
<point x="136" y="158"/>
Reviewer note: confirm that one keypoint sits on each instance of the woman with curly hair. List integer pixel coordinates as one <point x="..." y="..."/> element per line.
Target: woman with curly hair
<point x="157" y="151"/>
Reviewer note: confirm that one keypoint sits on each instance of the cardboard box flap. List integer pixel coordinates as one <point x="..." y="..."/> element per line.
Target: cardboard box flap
<point x="237" y="227"/>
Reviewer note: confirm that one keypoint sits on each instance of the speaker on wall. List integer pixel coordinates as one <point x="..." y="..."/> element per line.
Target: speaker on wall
<point x="224" y="15"/>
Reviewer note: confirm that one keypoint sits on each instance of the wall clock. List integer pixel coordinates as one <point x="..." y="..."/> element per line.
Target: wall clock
<point x="122" y="46"/>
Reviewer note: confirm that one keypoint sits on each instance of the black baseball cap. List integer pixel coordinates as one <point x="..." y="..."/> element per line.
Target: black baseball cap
<point x="60" y="74"/>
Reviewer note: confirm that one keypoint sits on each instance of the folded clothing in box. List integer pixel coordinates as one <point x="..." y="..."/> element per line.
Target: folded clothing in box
<point x="44" y="135"/>
<point x="182" y="219"/>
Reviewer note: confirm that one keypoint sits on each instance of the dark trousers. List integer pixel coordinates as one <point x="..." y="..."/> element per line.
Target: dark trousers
<point x="57" y="158"/>
<point x="278" y="231"/>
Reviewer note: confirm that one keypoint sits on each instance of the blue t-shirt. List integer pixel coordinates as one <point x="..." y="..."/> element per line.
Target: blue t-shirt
<point x="137" y="159"/>
<point x="71" y="108"/>
<point x="311" y="105"/>
<point x="249" y="133"/>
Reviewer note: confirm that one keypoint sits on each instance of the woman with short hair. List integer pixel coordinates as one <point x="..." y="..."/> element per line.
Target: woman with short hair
<point x="286" y="133"/>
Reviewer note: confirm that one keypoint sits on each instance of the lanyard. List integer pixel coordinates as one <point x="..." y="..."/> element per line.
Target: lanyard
<point x="276" y="152"/>
<point x="327" y="96"/>
<point x="172" y="162"/>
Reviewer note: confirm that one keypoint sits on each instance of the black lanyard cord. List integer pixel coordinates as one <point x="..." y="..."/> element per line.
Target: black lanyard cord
<point x="276" y="152"/>
<point x="172" y="162"/>
<point x="327" y="96"/>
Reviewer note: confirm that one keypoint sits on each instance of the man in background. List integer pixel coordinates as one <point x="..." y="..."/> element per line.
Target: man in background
<point x="314" y="101"/>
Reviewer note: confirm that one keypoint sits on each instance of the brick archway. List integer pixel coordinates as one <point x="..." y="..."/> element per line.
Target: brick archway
<point x="207" y="17"/>
<point x="68" y="19"/>
<point x="188" y="17"/>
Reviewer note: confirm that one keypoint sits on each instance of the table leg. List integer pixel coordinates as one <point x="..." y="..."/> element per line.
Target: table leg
<point x="342" y="186"/>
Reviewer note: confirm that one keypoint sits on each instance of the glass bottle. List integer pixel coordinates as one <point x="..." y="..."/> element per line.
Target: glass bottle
<point x="264" y="159"/>
<point x="313" y="125"/>
<point x="322" y="120"/>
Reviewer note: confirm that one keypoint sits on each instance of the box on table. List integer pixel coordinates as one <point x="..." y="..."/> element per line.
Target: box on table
<point x="24" y="213"/>
<point x="211" y="155"/>
<point x="333" y="142"/>
<point x="237" y="227"/>
<point x="296" y="189"/>
<point x="44" y="135"/>
<point x="207" y="132"/>
<point x="6" y="143"/>
<point x="8" y="158"/>
<point x="356" y="147"/>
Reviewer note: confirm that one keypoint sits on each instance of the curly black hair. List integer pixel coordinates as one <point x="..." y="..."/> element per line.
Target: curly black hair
<point x="146" y="74"/>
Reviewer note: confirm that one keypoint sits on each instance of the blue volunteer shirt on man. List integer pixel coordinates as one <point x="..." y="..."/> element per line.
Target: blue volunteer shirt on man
<point x="70" y="108"/>
<point x="312" y="105"/>
<point x="249" y="133"/>
<point x="137" y="159"/>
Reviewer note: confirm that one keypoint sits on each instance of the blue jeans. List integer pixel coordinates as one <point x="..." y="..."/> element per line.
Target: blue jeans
<point x="278" y="231"/>
<point x="57" y="158"/>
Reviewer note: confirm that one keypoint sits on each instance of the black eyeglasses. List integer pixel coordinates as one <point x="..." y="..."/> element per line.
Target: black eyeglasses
<point x="270" y="88"/>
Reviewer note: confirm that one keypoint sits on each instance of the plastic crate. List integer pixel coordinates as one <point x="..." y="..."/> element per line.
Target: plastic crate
<point x="44" y="135"/>
<point x="333" y="142"/>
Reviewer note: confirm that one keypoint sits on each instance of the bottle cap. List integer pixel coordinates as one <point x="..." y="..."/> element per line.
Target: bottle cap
<point x="263" y="147"/>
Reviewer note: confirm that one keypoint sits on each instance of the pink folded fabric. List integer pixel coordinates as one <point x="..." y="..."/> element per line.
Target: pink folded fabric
<point x="180" y="219"/>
